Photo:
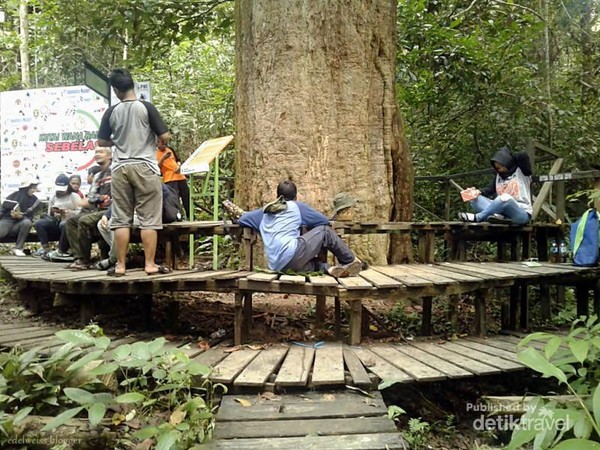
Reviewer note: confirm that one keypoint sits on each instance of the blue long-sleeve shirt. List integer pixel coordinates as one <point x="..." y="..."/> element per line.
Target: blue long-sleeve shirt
<point x="280" y="232"/>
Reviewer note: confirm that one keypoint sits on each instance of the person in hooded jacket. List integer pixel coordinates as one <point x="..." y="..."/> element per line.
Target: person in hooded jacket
<point x="16" y="212"/>
<point x="510" y="190"/>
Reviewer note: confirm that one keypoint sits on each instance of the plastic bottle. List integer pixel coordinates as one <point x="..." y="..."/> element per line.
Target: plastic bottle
<point x="554" y="252"/>
<point x="218" y="334"/>
<point x="563" y="251"/>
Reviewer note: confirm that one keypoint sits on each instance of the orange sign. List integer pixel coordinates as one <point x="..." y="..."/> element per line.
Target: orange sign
<point x="205" y="154"/>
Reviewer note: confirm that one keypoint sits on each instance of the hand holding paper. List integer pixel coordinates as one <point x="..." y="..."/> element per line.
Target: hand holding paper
<point x="469" y="194"/>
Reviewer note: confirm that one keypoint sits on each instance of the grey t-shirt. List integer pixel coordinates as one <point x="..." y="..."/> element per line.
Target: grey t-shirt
<point x="133" y="126"/>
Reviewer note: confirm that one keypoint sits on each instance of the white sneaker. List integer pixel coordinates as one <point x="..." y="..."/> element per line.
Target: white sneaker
<point x="467" y="217"/>
<point x="346" y="270"/>
<point x="19" y="252"/>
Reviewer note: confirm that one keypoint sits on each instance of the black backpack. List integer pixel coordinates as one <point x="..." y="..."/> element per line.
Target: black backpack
<point x="171" y="211"/>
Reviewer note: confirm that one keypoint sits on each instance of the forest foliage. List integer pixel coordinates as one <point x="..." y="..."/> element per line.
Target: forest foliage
<point x="472" y="75"/>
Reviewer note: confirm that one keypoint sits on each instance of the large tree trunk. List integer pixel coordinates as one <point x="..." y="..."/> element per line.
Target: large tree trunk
<point x="316" y="103"/>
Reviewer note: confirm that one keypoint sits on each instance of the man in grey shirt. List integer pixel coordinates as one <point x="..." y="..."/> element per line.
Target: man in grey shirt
<point x="132" y="127"/>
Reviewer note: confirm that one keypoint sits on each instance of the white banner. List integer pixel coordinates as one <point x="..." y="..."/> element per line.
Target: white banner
<point x="46" y="132"/>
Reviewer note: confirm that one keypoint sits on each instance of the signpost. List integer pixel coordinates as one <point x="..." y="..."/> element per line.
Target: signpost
<point x="200" y="162"/>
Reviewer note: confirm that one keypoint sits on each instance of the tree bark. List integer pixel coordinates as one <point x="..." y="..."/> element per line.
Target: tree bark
<point x="316" y="103"/>
<point x="24" y="44"/>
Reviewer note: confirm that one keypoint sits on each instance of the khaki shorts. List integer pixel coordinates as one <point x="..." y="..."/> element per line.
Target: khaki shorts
<point x="136" y="188"/>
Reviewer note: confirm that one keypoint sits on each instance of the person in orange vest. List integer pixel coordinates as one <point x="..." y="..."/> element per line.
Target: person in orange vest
<point x="170" y="167"/>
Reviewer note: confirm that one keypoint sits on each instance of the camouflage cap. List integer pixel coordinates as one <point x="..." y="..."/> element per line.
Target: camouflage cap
<point x="276" y="206"/>
<point x="342" y="201"/>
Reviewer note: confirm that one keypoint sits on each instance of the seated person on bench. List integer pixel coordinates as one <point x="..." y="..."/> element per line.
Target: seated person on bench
<point x="279" y="223"/>
<point x="16" y="212"/>
<point x="511" y="185"/>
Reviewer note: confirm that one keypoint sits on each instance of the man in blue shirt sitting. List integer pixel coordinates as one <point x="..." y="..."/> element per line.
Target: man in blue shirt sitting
<point x="279" y="223"/>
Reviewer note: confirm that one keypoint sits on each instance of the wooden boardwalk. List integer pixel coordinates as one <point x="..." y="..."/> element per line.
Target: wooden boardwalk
<point x="313" y="420"/>
<point x="420" y="281"/>
<point x="305" y="365"/>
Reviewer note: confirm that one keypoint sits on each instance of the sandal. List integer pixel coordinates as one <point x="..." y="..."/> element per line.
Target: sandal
<point x="112" y="272"/>
<point x="161" y="270"/>
<point x="78" y="265"/>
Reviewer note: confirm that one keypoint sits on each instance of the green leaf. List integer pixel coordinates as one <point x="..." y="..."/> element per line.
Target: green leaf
<point x="596" y="404"/>
<point x="102" y="342"/>
<point x="536" y="361"/>
<point x="582" y="427"/>
<point x="166" y="440"/>
<point x="577" y="444"/>
<point x="146" y="433"/>
<point x="62" y="418"/>
<point x="86" y="359"/>
<point x="520" y="437"/>
<point x="121" y="352"/>
<point x="21" y="414"/>
<point x="131" y="397"/>
<point x="551" y="347"/>
<point x="539" y="336"/>
<point x="386" y="384"/>
<point x="80" y="396"/>
<point x="103" y="369"/>
<point x="75" y="337"/>
<point x="580" y="349"/>
<point x="96" y="413"/>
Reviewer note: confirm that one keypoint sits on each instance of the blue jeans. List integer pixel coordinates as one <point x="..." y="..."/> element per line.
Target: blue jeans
<point x="509" y="209"/>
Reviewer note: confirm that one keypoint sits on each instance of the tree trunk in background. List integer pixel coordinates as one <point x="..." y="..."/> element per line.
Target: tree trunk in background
<point x="24" y="44"/>
<point x="316" y="103"/>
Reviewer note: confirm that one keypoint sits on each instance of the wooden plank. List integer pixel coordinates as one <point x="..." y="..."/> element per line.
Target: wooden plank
<point x="266" y="277"/>
<point x="430" y="276"/>
<point x="380" y="367"/>
<point x="489" y="349"/>
<point x="211" y="357"/>
<point x="355" y="283"/>
<point x="485" y="358"/>
<point x="11" y="325"/>
<point x="399" y="272"/>
<point x="260" y="368"/>
<point x="288" y="428"/>
<point x="293" y="279"/>
<point x="458" y="276"/>
<point x="545" y="189"/>
<point x="230" y="367"/>
<point x="384" y="441"/>
<point x="328" y="368"/>
<point x="379" y="280"/>
<point x="469" y="364"/>
<point x="323" y="280"/>
<point x="7" y="333"/>
<point x="16" y="339"/>
<point x="308" y="405"/>
<point x="416" y="369"/>
<point x="296" y="367"/>
<point x="493" y="342"/>
<point x="520" y="268"/>
<point x="447" y="368"/>
<point x="478" y="270"/>
<point x="359" y="375"/>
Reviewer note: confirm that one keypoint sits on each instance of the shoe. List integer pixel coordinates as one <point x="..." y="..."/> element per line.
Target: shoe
<point x="232" y="210"/>
<point x="57" y="256"/>
<point x="499" y="219"/>
<point x="467" y="217"/>
<point x="346" y="270"/>
<point x="104" y="264"/>
<point x="19" y="252"/>
<point x="40" y="252"/>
